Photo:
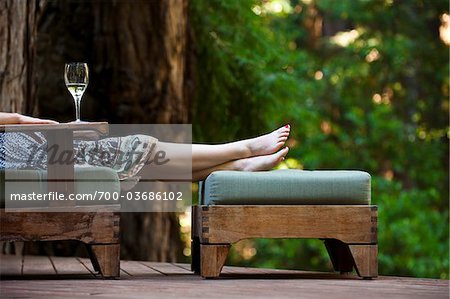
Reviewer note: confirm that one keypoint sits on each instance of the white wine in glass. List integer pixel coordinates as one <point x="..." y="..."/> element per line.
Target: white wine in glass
<point x="76" y="76"/>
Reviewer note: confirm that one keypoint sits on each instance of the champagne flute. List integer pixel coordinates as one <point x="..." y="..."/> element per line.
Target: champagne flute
<point x="76" y="76"/>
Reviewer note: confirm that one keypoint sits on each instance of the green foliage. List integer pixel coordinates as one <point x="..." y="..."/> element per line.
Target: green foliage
<point x="375" y="98"/>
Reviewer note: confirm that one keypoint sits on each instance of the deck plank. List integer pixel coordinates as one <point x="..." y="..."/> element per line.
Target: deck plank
<point x="167" y="268"/>
<point x="88" y="265"/>
<point x="69" y="266"/>
<point x="138" y="269"/>
<point x="124" y="274"/>
<point x="11" y="265"/>
<point x="184" y="266"/>
<point x="37" y="265"/>
<point x="158" y="280"/>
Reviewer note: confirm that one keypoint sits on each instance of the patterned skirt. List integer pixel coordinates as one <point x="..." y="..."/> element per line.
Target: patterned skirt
<point x="126" y="155"/>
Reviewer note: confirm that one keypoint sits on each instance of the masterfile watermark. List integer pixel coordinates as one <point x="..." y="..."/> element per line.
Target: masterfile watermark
<point x="98" y="196"/>
<point x="53" y="154"/>
<point x="142" y="168"/>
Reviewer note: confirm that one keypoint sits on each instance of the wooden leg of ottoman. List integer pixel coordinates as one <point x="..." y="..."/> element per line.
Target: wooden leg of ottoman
<point x="366" y="260"/>
<point x="212" y="259"/>
<point x="340" y="255"/>
<point x="106" y="259"/>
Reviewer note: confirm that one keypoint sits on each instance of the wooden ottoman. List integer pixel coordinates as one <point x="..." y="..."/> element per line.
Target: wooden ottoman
<point x="333" y="206"/>
<point x="98" y="226"/>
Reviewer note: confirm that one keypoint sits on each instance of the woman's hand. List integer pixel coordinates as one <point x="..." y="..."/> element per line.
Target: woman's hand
<point x="23" y="119"/>
<point x="16" y="118"/>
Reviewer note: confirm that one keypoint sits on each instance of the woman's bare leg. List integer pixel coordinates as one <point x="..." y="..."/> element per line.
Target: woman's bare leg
<point x="203" y="156"/>
<point x="257" y="163"/>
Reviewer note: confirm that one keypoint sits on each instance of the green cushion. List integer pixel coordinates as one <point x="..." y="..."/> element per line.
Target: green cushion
<point x="88" y="180"/>
<point x="286" y="187"/>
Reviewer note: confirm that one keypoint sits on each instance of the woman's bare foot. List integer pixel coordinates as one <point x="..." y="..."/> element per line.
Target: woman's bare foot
<point x="267" y="144"/>
<point x="260" y="163"/>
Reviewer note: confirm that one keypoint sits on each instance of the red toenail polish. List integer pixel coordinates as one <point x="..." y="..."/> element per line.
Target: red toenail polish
<point x="286" y="126"/>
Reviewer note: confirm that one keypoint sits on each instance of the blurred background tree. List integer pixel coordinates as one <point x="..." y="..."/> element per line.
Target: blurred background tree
<point x="364" y="85"/>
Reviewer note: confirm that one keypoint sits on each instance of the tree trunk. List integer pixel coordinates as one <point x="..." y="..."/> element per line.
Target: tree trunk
<point x="18" y="27"/>
<point x="140" y="53"/>
<point x="140" y="46"/>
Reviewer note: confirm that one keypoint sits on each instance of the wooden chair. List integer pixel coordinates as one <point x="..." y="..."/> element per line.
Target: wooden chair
<point x="96" y="226"/>
<point x="348" y="231"/>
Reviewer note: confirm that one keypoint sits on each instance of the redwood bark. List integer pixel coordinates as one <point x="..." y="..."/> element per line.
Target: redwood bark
<point x="141" y="47"/>
<point x="18" y="28"/>
<point x="140" y="50"/>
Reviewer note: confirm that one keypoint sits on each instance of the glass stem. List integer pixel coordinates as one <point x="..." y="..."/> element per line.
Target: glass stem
<point x="77" y="107"/>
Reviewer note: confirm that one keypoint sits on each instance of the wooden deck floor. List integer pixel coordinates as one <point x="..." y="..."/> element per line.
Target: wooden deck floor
<point x="58" y="277"/>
